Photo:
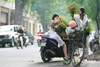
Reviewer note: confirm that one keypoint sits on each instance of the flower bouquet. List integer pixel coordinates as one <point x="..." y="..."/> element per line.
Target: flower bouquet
<point x="60" y="25"/>
<point x="72" y="10"/>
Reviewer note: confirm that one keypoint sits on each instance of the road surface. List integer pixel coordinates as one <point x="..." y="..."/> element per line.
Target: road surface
<point x="30" y="57"/>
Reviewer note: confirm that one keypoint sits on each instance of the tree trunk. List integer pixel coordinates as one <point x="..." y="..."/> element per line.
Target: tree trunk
<point x="19" y="5"/>
<point x="18" y="14"/>
<point x="96" y="54"/>
<point x="97" y="17"/>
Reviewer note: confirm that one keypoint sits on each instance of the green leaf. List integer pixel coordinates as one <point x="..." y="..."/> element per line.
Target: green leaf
<point x="12" y="0"/>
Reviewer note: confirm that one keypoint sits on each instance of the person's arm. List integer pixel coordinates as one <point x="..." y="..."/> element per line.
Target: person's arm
<point x="23" y="31"/>
<point x="52" y="22"/>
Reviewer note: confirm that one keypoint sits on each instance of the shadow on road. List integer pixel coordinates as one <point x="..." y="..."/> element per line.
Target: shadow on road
<point x="5" y="46"/>
<point x="57" y="63"/>
<point x="50" y="62"/>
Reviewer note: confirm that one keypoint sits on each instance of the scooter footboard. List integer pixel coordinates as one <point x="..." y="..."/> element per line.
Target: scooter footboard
<point x="60" y="52"/>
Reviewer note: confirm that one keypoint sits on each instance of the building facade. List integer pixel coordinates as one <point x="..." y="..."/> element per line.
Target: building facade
<point x="31" y="24"/>
<point x="7" y="9"/>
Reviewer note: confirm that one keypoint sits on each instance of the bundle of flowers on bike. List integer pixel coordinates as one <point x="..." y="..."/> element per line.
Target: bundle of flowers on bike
<point x="72" y="10"/>
<point x="60" y="25"/>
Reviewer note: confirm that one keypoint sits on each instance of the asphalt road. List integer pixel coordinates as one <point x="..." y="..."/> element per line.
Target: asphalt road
<point x="30" y="57"/>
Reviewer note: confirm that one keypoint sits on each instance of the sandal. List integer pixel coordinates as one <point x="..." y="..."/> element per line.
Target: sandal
<point x="65" y="59"/>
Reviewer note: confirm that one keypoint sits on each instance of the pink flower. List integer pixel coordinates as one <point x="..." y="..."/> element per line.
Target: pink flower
<point x="72" y="24"/>
<point x="60" y="19"/>
<point x="56" y="21"/>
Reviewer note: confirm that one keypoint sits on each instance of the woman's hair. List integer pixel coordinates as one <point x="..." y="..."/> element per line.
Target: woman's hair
<point x="55" y="15"/>
<point x="83" y="10"/>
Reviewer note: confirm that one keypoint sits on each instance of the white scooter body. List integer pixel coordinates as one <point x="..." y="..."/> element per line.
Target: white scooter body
<point x="21" y="41"/>
<point x="27" y="40"/>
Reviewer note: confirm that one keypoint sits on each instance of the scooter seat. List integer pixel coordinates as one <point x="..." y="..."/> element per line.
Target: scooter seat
<point x="54" y="41"/>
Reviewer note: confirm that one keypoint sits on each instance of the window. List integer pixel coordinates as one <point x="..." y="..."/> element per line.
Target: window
<point x="16" y="29"/>
<point x="39" y="26"/>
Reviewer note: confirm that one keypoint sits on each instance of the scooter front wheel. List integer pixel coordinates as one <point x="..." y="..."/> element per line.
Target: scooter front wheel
<point x="44" y="57"/>
<point x="21" y="42"/>
<point x="17" y="45"/>
<point x="39" y="43"/>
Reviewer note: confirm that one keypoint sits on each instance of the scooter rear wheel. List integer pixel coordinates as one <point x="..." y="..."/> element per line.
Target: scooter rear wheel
<point x="44" y="58"/>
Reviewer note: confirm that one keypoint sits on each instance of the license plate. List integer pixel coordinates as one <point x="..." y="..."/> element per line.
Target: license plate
<point x="43" y="44"/>
<point x="0" y="39"/>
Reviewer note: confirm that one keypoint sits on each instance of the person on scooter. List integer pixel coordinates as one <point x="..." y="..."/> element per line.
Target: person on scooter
<point x="40" y="32"/>
<point x="55" y="36"/>
<point x="21" y="31"/>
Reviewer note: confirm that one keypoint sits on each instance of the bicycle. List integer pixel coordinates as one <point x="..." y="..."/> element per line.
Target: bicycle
<point x="76" y="48"/>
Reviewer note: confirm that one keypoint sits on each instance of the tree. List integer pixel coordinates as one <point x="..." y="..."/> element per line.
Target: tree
<point x="19" y="5"/>
<point x="90" y="7"/>
<point x="44" y="9"/>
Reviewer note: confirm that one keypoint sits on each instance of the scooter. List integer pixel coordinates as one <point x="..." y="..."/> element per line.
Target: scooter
<point x="49" y="49"/>
<point x="39" y="39"/>
<point x="94" y="43"/>
<point x="26" y="40"/>
<point x="19" y="41"/>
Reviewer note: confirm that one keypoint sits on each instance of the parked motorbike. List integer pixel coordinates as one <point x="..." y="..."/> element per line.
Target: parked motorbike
<point x="75" y="48"/>
<point x="19" y="40"/>
<point x="39" y="39"/>
<point x="50" y="49"/>
<point x="95" y="43"/>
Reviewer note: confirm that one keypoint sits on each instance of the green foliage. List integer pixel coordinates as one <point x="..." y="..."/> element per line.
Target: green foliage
<point x="42" y="9"/>
<point x="12" y="0"/>
<point x="29" y="1"/>
<point x="90" y="7"/>
<point x="90" y="28"/>
<point x="64" y="63"/>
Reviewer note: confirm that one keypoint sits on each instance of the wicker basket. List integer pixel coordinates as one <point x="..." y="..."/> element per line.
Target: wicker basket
<point x="64" y="35"/>
<point x="79" y="35"/>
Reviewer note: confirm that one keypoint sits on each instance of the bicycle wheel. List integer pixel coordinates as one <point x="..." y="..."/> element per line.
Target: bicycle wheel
<point x="77" y="54"/>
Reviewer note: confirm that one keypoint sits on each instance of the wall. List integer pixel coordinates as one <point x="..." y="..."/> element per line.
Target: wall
<point x="5" y="11"/>
<point x="32" y="25"/>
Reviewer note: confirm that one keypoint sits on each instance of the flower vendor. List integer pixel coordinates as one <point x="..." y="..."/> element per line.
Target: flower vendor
<point x="54" y="35"/>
